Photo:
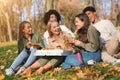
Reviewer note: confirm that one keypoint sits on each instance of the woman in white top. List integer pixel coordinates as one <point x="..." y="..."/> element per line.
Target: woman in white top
<point x="53" y="15"/>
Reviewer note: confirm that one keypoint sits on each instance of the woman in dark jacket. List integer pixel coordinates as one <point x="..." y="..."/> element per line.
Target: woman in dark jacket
<point x="87" y="43"/>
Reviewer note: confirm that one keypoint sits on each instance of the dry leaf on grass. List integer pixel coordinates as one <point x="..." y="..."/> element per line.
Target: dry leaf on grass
<point x="2" y="76"/>
<point x="91" y="78"/>
<point x="80" y="74"/>
<point x="53" y="79"/>
<point x="16" y="52"/>
<point x="105" y="64"/>
<point x="117" y="68"/>
<point x="50" y="73"/>
<point x="87" y="71"/>
<point x="26" y="73"/>
<point x="2" y="67"/>
<point x="8" y="51"/>
<point x="77" y="68"/>
<point x="56" y="70"/>
<point x="30" y="78"/>
<point x="112" y="71"/>
<point x="102" y="77"/>
<point x="72" y="77"/>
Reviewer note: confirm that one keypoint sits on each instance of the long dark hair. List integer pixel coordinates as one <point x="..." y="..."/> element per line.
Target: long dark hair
<point x="50" y="12"/>
<point x="21" y="36"/>
<point x="82" y="33"/>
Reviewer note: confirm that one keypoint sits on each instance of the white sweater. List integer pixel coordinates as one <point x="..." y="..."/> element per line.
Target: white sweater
<point x="106" y="29"/>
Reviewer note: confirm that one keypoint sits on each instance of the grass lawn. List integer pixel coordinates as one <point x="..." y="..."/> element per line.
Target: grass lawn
<point x="101" y="71"/>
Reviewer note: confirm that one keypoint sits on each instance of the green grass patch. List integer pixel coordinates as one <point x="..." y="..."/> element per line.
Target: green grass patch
<point x="103" y="71"/>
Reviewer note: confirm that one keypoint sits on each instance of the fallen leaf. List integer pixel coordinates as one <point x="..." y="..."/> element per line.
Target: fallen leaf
<point x="2" y="67"/>
<point x="87" y="71"/>
<point x="77" y="68"/>
<point x="97" y="73"/>
<point x="30" y="78"/>
<point x="102" y="77"/>
<point x="16" y="52"/>
<point x="90" y="77"/>
<point x="111" y="71"/>
<point x="8" y="51"/>
<point x="117" y="68"/>
<point x="53" y="79"/>
<point x="2" y="76"/>
<point x="105" y="64"/>
<point x="56" y="70"/>
<point x="26" y="73"/>
<point x="72" y="77"/>
<point x="80" y="74"/>
<point x="49" y="72"/>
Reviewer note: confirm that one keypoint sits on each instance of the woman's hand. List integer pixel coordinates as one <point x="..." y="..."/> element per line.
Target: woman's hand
<point x="74" y="42"/>
<point x="35" y="45"/>
<point x="28" y="45"/>
<point x="77" y="43"/>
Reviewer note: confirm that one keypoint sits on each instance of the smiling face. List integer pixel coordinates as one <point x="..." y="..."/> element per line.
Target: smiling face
<point x="53" y="17"/>
<point x="91" y="15"/>
<point x="27" y="29"/>
<point x="55" y="29"/>
<point x="78" y="23"/>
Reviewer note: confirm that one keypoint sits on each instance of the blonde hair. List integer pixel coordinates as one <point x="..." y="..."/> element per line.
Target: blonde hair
<point x="49" y="28"/>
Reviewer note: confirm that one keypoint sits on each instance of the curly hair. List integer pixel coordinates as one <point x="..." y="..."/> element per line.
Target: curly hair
<point x="50" y="12"/>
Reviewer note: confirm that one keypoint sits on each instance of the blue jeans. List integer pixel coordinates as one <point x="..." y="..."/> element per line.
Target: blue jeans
<point x="72" y="60"/>
<point x="22" y="56"/>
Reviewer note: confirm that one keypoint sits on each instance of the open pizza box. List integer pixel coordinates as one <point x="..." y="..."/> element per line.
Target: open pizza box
<point x="53" y="52"/>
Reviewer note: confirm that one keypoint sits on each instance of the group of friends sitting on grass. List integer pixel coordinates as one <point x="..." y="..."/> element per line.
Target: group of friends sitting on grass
<point x="93" y="41"/>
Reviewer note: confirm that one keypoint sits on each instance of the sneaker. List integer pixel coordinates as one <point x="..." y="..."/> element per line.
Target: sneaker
<point x="117" y="62"/>
<point x="22" y="69"/>
<point x="91" y="62"/>
<point x="9" y="71"/>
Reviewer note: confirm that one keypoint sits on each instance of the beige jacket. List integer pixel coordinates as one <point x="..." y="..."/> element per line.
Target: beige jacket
<point x="60" y="41"/>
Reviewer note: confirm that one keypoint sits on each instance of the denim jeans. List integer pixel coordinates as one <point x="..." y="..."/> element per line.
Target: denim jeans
<point x="71" y="60"/>
<point x="22" y="56"/>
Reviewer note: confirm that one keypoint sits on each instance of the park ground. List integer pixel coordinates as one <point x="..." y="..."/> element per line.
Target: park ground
<point x="100" y="71"/>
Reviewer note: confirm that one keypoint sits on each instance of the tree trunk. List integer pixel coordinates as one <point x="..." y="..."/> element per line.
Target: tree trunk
<point x="8" y="26"/>
<point x="91" y="2"/>
<point x="49" y="4"/>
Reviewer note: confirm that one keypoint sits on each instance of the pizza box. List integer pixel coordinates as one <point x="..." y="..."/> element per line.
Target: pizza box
<point x="53" y="52"/>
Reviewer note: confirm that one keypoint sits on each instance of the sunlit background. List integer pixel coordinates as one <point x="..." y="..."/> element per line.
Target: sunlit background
<point x="12" y="12"/>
